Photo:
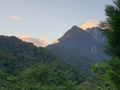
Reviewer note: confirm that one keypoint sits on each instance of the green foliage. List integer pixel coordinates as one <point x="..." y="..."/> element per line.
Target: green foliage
<point x="113" y="33"/>
<point x="112" y="73"/>
<point x="24" y="66"/>
<point x="15" y="55"/>
<point x="109" y="74"/>
<point x="43" y="77"/>
<point x="111" y="69"/>
<point x="101" y="71"/>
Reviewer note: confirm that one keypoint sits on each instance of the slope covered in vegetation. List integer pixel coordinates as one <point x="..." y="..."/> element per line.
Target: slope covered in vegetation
<point x="24" y="66"/>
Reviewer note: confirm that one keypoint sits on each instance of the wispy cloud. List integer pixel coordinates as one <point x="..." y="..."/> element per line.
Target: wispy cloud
<point x="36" y="41"/>
<point x="15" y="18"/>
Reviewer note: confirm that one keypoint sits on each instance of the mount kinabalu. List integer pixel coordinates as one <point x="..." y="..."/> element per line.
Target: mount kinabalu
<point x="81" y="48"/>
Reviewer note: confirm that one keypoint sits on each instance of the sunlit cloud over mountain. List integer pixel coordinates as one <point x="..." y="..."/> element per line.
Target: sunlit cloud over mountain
<point x="36" y="41"/>
<point x="90" y="24"/>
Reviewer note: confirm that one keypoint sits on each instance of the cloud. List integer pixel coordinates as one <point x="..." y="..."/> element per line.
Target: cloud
<point x="55" y="42"/>
<point x="36" y="41"/>
<point x="15" y="18"/>
<point x="90" y="24"/>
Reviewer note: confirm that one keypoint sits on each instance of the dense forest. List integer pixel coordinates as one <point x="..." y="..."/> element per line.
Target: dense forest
<point x="24" y="66"/>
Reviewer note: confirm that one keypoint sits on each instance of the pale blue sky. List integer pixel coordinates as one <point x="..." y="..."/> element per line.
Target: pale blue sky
<point x="47" y="18"/>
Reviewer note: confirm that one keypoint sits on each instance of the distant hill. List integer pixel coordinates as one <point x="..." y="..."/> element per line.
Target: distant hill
<point x="16" y="55"/>
<point x="81" y="48"/>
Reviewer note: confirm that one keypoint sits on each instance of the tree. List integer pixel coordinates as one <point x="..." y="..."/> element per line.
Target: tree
<point x="113" y="32"/>
<point x="111" y="74"/>
<point x="44" y="77"/>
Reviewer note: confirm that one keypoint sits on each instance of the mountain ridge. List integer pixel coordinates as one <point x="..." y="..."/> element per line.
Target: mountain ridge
<point x="81" y="48"/>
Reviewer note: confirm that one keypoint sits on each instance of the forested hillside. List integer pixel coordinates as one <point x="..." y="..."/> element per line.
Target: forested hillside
<point x="15" y="55"/>
<point x="24" y="66"/>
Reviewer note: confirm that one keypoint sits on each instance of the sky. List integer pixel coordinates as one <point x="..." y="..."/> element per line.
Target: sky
<point x="47" y="20"/>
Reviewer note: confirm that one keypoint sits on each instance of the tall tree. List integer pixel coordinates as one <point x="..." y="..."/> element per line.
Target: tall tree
<point x="112" y="69"/>
<point x="113" y="35"/>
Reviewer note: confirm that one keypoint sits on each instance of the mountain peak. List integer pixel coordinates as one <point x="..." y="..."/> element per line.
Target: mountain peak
<point x="74" y="27"/>
<point x="74" y="30"/>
